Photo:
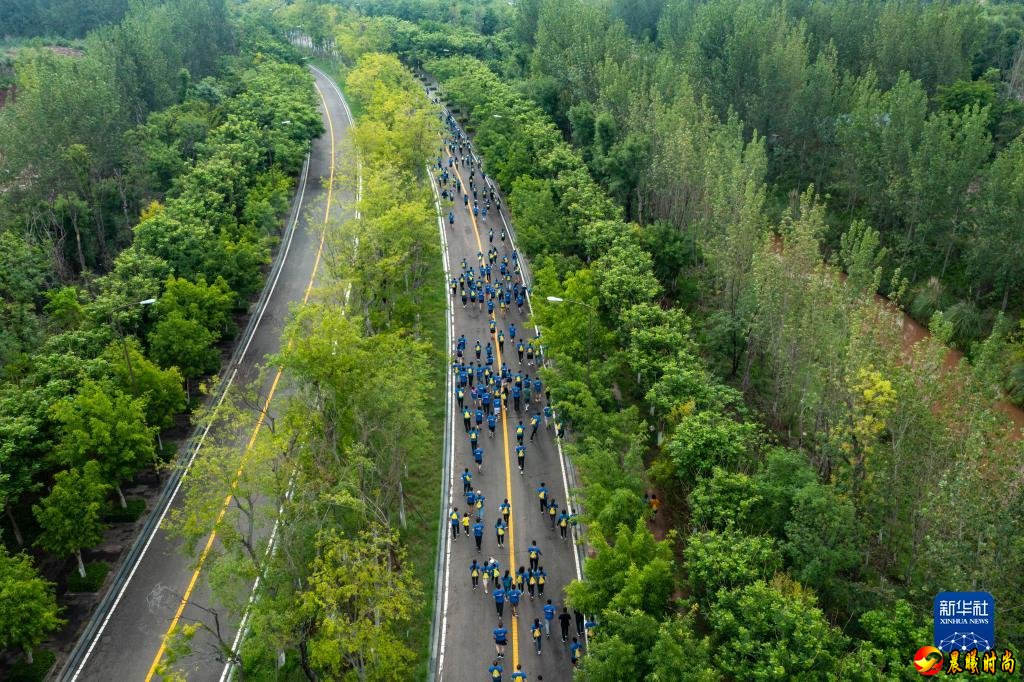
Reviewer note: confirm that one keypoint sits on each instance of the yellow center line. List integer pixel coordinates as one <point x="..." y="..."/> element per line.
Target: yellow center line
<point x="259" y="422"/>
<point x="508" y="467"/>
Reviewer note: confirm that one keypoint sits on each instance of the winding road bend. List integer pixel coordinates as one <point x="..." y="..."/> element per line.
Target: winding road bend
<point x="127" y="635"/>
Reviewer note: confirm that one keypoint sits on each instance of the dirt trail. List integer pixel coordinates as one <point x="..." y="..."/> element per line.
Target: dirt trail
<point x="913" y="331"/>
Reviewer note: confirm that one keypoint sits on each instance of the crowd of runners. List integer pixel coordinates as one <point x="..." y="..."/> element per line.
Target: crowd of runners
<point x="497" y="387"/>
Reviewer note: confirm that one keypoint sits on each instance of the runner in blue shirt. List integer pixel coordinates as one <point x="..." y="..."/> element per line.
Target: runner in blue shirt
<point x="521" y="458"/>
<point x="478" y="457"/>
<point x="500" y="639"/>
<point x="495" y="671"/>
<point x="548" y="414"/>
<point x="513" y="599"/>
<point x="478" y="533"/>
<point x="500" y="528"/>
<point x="467" y="479"/>
<point x="520" y="431"/>
<point x="499" y="600"/>
<point x="512" y="331"/>
<point x="474" y="436"/>
<point x="478" y="505"/>
<point x="506" y="510"/>
<point x="475" y="570"/>
<point x="563" y="524"/>
<point x="451" y="218"/>
<point x="542" y="497"/>
<point x="492" y="422"/>
<point x="549" y="615"/>
<point x="534" y="552"/>
<point x="496" y="404"/>
<point x="574" y="652"/>
<point x="534" y="423"/>
<point x="453" y="517"/>
<point x="516" y="391"/>
<point x="518" y="674"/>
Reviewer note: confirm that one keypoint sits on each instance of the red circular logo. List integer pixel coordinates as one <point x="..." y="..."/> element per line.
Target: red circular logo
<point x="928" y="660"/>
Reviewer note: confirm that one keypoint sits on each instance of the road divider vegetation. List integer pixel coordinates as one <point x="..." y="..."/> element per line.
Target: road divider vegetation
<point x="344" y="467"/>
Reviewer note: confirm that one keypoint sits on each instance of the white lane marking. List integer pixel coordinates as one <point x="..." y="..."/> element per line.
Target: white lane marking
<point x="304" y="180"/>
<point x="228" y="673"/>
<point x="451" y="424"/>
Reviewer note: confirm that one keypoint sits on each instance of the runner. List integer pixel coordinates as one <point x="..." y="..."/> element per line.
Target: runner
<point x="549" y="615"/>
<point x="552" y="511"/>
<point x="499" y="601"/>
<point x="534" y="423"/>
<point x="574" y="652"/>
<point x="513" y="599"/>
<point x="520" y="432"/>
<point x="453" y="517"/>
<point x="495" y="671"/>
<point x="536" y="631"/>
<point x="542" y="497"/>
<point x="478" y="457"/>
<point x="465" y="523"/>
<point x="542" y="578"/>
<point x="564" y="619"/>
<point x="506" y="509"/>
<point x="500" y="528"/>
<point x="563" y="524"/>
<point x="474" y="573"/>
<point x="478" y="533"/>
<point x="533" y="550"/>
<point x="519" y="674"/>
<point x="500" y="639"/>
<point x="479" y="505"/>
<point x="521" y="457"/>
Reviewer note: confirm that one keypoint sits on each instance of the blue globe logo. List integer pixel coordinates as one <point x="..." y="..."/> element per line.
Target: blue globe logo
<point x="964" y="641"/>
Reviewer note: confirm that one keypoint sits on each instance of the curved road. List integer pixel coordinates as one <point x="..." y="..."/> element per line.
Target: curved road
<point x="126" y="636"/>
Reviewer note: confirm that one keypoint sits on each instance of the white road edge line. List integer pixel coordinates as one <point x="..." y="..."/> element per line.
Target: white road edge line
<point x="228" y="673"/>
<point x="450" y="333"/>
<point x="234" y="372"/>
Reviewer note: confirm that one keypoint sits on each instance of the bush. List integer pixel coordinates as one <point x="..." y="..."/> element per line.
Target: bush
<point x="95" y="573"/>
<point x="22" y="671"/>
<point x="117" y="514"/>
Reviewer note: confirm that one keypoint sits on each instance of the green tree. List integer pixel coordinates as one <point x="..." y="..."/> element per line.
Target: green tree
<point x="161" y="389"/>
<point x="706" y="439"/>
<point x="28" y="607"/>
<point x="103" y="424"/>
<point x="359" y="599"/>
<point x="774" y="631"/>
<point x="186" y="344"/>
<point x="208" y="304"/>
<point x="70" y="515"/>
<point x="679" y="655"/>
<point x="727" y="560"/>
<point x="822" y="541"/>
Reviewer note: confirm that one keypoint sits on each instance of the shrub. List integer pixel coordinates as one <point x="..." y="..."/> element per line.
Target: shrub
<point x="95" y="573"/>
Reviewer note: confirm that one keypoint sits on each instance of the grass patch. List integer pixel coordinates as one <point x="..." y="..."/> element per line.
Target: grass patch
<point x="118" y="514"/>
<point x="23" y="671"/>
<point x="95" y="572"/>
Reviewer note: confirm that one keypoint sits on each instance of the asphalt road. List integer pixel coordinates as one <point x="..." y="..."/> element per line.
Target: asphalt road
<point x="468" y="616"/>
<point x="126" y="646"/>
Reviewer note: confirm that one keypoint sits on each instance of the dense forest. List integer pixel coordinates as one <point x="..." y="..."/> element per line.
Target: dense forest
<point x="142" y="178"/>
<point x="58" y="18"/>
<point x="725" y="185"/>
<point x="699" y="173"/>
